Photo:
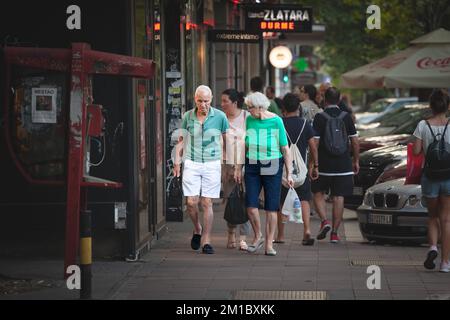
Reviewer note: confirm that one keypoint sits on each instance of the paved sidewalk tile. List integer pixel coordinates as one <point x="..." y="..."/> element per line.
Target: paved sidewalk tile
<point x="173" y="271"/>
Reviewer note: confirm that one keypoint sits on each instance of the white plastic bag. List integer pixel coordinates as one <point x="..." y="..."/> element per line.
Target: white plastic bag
<point x="292" y="207"/>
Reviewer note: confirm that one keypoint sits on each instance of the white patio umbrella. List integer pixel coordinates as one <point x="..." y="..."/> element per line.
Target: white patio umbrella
<point x="426" y="64"/>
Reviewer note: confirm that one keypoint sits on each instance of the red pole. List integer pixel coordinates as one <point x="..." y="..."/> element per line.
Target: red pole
<point x="75" y="164"/>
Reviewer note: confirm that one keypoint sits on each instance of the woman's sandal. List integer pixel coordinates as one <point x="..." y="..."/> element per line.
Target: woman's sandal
<point x="256" y="246"/>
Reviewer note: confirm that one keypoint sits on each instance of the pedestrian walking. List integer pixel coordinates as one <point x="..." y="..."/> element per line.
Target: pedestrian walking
<point x="257" y="85"/>
<point x="433" y="139"/>
<point x="232" y="102"/>
<point x="266" y="145"/>
<point x="300" y="132"/>
<point x="309" y="107"/>
<point x="333" y="128"/>
<point x="201" y="145"/>
<point x="320" y="99"/>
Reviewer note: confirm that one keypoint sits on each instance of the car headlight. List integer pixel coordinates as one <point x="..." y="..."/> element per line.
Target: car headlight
<point x="423" y="201"/>
<point x="368" y="198"/>
<point x="414" y="202"/>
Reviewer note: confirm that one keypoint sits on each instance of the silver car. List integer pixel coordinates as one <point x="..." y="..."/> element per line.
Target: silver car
<point x="393" y="211"/>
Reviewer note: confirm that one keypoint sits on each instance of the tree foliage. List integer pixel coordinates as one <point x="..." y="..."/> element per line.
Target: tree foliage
<point x="348" y="42"/>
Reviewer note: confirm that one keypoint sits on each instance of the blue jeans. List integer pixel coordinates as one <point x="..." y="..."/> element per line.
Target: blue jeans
<point x="267" y="175"/>
<point x="435" y="188"/>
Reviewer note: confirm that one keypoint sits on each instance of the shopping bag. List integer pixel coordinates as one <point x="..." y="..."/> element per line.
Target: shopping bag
<point x="235" y="210"/>
<point x="414" y="164"/>
<point x="292" y="207"/>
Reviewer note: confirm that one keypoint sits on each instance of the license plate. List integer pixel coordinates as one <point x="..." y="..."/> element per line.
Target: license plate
<point x="358" y="191"/>
<point x="380" y="219"/>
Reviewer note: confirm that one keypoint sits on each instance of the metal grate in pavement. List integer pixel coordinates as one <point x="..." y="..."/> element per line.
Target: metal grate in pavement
<point x="279" y="295"/>
<point x="369" y="262"/>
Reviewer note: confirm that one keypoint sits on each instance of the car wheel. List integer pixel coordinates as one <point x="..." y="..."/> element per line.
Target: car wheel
<point x="371" y="240"/>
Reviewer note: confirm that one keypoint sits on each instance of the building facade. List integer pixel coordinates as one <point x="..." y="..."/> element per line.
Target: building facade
<point x="140" y="115"/>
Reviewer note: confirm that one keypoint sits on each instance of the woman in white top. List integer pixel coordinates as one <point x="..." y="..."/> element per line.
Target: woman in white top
<point x="436" y="190"/>
<point x="232" y="102"/>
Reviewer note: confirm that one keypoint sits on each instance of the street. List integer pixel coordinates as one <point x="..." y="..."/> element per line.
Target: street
<point x="172" y="271"/>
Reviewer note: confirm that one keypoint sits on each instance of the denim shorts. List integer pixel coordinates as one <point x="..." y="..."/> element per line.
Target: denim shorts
<point x="435" y="188"/>
<point x="267" y="175"/>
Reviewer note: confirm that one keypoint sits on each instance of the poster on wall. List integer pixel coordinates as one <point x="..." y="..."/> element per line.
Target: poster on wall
<point x="43" y="105"/>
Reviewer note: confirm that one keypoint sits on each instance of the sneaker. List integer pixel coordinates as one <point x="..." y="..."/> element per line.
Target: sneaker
<point x="207" y="249"/>
<point x="429" y="262"/>
<point x="325" y="226"/>
<point x="334" y="238"/>
<point x="445" y="267"/>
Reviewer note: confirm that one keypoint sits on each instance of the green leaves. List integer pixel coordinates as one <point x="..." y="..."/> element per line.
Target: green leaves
<point x="348" y="42"/>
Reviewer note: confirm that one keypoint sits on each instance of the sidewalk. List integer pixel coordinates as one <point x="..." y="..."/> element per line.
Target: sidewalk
<point x="173" y="271"/>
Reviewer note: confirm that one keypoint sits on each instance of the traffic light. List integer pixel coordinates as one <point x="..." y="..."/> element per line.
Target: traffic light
<point x="285" y="75"/>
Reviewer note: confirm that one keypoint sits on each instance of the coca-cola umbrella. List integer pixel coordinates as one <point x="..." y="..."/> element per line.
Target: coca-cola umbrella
<point x="426" y="64"/>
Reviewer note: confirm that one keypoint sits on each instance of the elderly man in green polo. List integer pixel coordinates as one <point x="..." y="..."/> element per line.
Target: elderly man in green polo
<point x="201" y="147"/>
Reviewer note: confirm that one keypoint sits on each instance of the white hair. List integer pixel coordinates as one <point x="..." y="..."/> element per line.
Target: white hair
<point x="204" y="89"/>
<point x="258" y="100"/>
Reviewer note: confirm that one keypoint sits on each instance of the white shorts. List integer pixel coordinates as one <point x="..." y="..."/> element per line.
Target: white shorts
<point x="202" y="179"/>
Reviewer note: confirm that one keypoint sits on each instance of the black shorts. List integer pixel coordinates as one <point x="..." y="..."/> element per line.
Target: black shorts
<point x="338" y="185"/>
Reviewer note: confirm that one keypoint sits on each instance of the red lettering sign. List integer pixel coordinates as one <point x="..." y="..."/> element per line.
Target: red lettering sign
<point x="429" y="63"/>
<point x="277" y="25"/>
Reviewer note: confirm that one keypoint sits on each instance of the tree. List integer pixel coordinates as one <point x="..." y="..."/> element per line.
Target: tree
<point x="348" y="42"/>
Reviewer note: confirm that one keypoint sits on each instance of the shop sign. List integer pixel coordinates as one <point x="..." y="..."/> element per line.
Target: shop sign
<point x="238" y="36"/>
<point x="278" y="18"/>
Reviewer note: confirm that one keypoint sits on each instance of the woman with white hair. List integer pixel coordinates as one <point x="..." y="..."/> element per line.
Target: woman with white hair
<point x="266" y="144"/>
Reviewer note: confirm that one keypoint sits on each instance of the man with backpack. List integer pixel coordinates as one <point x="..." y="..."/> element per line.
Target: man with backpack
<point x="433" y="139"/>
<point x="300" y="135"/>
<point x="334" y="128"/>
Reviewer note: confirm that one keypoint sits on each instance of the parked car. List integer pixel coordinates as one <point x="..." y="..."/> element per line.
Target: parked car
<point x="402" y="121"/>
<point x="381" y="107"/>
<point x="393" y="211"/>
<point x="396" y="171"/>
<point x="372" y="164"/>
<point x="368" y="143"/>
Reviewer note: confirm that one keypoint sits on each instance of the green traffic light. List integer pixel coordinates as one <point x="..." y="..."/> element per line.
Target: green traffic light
<point x="285" y="78"/>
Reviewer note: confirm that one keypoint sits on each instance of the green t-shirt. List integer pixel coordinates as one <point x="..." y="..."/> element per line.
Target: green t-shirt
<point x="264" y="138"/>
<point x="274" y="108"/>
<point x="203" y="141"/>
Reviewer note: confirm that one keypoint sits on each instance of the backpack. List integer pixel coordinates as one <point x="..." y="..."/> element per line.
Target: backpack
<point x="335" y="137"/>
<point x="437" y="158"/>
<point x="298" y="165"/>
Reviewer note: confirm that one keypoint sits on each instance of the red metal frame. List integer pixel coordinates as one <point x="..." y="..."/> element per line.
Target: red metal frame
<point x="81" y="62"/>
